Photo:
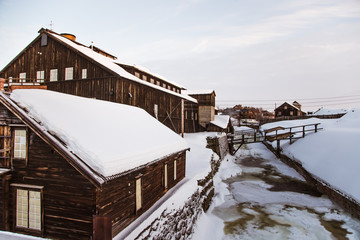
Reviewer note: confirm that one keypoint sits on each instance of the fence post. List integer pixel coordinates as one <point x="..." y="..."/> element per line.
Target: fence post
<point x="290" y="135"/>
<point x="316" y="127"/>
<point x="254" y="135"/>
<point x="303" y="131"/>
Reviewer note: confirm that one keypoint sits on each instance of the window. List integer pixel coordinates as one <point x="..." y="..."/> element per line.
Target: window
<point x="53" y="75"/>
<point x="175" y="169"/>
<point x="152" y="80"/>
<point x="20" y="143"/>
<point x="137" y="74"/>
<point x="40" y="76"/>
<point x="69" y="72"/>
<point x="279" y="113"/>
<point x="186" y="115"/>
<point x="84" y="73"/>
<point x="138" y="194"/>
<point x="10" y="79"/>
<point x="43" y="40"/>
<point x="285" y="107"/>
<point x="28" y="207"/>
<point x="22" y="77"/>
<point x="158" y="83"/>
<point x="144" y="77"/>
<point x="195" y="116"/>
<point x="165" y="176"/>
<point x="156" y="111"/>
<point x="291" y="113"/>
<point x="164" y="85"/>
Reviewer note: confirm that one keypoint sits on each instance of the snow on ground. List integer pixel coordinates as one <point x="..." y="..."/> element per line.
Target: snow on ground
<point x="332" y="153"/>
<point x="81" y="124"/>
<point x="15" y="236"/>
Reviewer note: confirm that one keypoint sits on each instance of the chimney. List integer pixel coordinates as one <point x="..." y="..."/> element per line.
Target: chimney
<point x="69" y="36"/>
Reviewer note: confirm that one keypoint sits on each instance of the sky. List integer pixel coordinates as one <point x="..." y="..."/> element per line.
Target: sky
<point x="251" y="52"/>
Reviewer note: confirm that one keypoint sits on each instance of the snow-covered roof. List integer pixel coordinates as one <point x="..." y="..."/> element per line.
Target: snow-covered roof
<point x="146" y="70"/>
<point x="110" y="138"/>
<point x="324" y="111"/>
<point x="112" y="65"/>
<point x="221" y="121"/>
<point x="292" y="105"/>
<point x="198" y="92"/>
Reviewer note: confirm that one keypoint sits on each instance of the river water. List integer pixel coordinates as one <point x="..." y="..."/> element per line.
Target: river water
<point x="265" y="199"/>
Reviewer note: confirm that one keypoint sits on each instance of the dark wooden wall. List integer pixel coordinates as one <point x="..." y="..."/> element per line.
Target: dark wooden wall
<point x="53" y="56"/>
<point x="121" y="90"/>
<point x="4" y="201"/>
<point x="117" y="198"/>
<point x="68" y="197"/>
<point x="100" y="83"/>
<point x="205" y="99"/>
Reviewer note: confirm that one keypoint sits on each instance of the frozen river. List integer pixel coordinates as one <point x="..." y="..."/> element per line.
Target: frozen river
<point x="259" y="197"/>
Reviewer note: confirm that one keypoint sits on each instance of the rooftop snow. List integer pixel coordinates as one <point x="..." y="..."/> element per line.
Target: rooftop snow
<point x="111" y="65"/>
<point x="198" y="92"/>
<point x="324" y="111"/>
<point x="221" y="121"/>
<point x="109" y="137"/>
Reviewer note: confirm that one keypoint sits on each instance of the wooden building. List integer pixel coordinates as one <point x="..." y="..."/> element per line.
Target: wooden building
<point x="64" y="65"/>
<point x="289" y="110"/>
<point x="205" y="106"/>
<point x="51" y="188"/>
<point x="221" y="123"/>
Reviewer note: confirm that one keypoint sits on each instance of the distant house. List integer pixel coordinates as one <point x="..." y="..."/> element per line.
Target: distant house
<point x="79" y="168"/>
<point x="246" y="113"/>
<point x="289" y="110"/>
<point x="59" y="63"/>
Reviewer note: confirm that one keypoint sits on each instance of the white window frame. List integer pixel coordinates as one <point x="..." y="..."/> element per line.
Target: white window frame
<point x="20" y="143"/>
<point x="28" y="206"/>
<point x="175" y="169"/>
<point x="137" y="74"/>
<point x="22" y="77"/>
<point x="84" y="73"/>
<point x="53" y="75"/>
<point x="152" y="80"/>
<point x="156" y="111"/>
<point x="138" y="193"/>
<point x="144" y="77"/>
<point x="69" y="73"/>
<point x="165" y="176"/>
<point x="40" y="76"/>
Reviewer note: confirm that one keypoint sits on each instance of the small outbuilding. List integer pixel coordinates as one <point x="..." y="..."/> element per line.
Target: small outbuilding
<point x="80" y="168"/>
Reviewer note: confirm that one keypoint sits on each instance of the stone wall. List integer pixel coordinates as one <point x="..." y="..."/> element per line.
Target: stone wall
<point x="219" y="145"/>
<point x="180" y="223"/>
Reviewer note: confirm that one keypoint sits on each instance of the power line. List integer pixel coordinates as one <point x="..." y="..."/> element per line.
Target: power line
<point x="280" y="100"/>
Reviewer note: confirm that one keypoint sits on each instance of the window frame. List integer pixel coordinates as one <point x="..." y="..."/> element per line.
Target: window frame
<point x="84" y="73"/>
<point x="138" y="194"/>
<point x="14" y="130"/>
<point x="69" y="71"/>
<point x="40" y="76"/>
<point x="52" y="74"/>
<point x="22" y="77"/>
<point x="166" y="177"/>
<point x="29" y="188"/>
<point x="175" y="169"/>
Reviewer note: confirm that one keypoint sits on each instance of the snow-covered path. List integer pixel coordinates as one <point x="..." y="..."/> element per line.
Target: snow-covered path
<point x="259" y="197"/>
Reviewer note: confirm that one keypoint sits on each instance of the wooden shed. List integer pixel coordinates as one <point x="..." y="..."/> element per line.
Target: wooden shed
<point x="79" y="168"/>
<point x="64" y="65"/>
<point x="221" y="123"/>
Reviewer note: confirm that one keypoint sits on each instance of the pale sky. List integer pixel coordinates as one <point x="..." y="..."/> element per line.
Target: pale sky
<point x="251" y="52"/>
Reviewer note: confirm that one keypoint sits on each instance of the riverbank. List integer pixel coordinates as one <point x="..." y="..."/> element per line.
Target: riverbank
<point x="259" y="197"/>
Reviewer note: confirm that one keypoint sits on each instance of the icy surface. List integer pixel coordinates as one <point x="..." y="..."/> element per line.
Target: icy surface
<point x="330" y="154"/>
<point x="244" y="207"/>
<point x="111" y="138"/>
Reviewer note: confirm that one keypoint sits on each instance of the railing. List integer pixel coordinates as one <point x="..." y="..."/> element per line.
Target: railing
<point x="290" y="133"/>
